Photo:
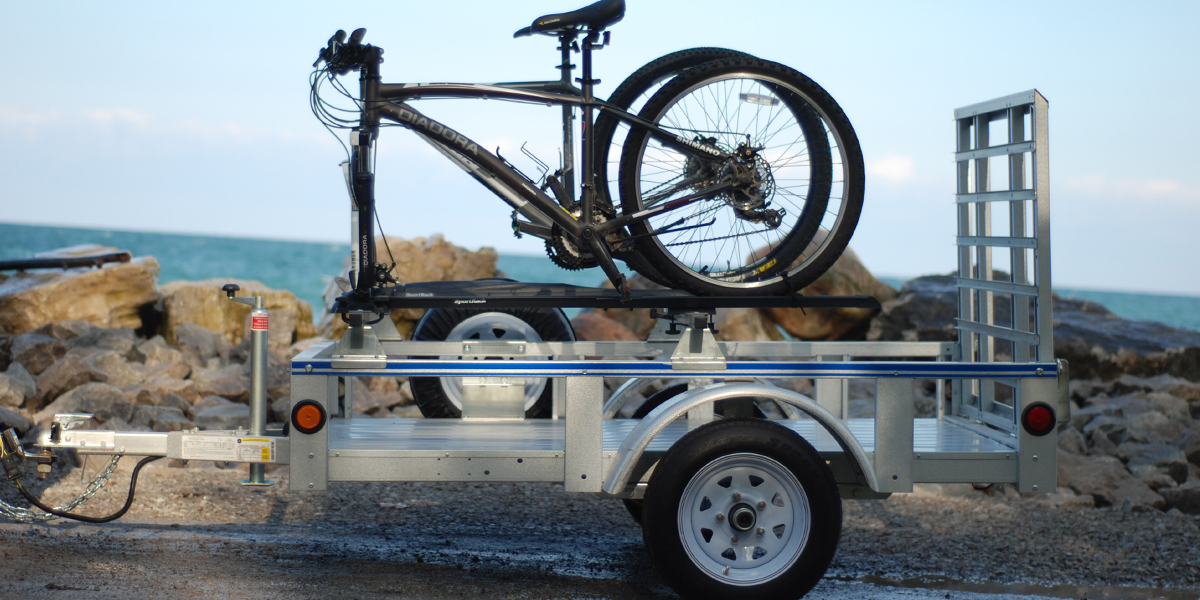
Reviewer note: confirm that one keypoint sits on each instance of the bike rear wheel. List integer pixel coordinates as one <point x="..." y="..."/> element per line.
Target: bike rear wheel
<point x="632" y="95"/>
<point x="774" y="235"/>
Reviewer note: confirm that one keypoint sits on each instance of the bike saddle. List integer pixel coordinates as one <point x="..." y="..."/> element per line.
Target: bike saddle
<point x="595" y="16"/>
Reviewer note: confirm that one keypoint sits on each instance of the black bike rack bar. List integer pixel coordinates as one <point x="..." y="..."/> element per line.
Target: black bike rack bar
<point x="506" y="294"/>
<point x="63" y="262"/>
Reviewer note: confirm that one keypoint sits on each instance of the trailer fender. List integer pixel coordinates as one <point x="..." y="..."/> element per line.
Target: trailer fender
<point x="635" y="385"/>
<point x="639" y="438"/>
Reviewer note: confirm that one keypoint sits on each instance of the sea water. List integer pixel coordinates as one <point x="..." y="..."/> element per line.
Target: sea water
<point x="305" y="268"/>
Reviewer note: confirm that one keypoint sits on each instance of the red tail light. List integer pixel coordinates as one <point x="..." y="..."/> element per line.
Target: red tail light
<point x="1039" y="419"/>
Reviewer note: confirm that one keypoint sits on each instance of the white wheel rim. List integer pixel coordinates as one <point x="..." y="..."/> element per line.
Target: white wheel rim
<point x="723" y="488"/>
<point x="492" y="327"/>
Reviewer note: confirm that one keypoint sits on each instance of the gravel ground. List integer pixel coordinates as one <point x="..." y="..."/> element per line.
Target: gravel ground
<point x="195" y="532"/>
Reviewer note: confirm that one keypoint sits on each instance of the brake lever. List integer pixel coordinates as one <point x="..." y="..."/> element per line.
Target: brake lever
<point x="330" y="50"/>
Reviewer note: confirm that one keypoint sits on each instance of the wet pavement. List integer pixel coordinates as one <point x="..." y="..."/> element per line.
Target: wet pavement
<point x="66" y="560"/>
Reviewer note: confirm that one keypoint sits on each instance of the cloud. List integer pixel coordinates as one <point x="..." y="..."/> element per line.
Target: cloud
<point x="895" y="169"/>
<point x="124" y="121"/>
<point x="120" y="116"/>
<point x="1154" y="190"/>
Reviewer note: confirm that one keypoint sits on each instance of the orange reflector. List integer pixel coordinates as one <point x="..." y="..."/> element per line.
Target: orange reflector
<point x="308" y="417"/>
<point x="1039" y="419"/>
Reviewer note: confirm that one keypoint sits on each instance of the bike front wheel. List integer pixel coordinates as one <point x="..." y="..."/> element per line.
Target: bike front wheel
<point x="798" y="166"/>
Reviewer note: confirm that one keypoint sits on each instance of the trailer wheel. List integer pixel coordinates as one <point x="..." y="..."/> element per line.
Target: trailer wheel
<point x="441" y="397"/>
<point x="742" y="508"/>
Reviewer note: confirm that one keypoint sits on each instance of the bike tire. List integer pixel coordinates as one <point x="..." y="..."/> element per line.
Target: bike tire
<point x="632" y="94"/>
<point x="832" y="174"/>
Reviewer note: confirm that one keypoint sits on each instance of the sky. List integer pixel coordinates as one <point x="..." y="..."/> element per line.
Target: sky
<point x="194" y="117"/>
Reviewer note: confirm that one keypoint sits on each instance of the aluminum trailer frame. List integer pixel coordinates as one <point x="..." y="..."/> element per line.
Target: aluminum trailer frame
<point x="976" y="436"/>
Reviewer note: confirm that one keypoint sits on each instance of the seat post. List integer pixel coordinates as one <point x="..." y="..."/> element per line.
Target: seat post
<point x="586" y="83"/>
<point x="566" y="44"/>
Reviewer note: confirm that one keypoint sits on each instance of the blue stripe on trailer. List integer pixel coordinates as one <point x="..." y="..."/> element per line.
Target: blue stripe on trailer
<point x="643" y="368"/>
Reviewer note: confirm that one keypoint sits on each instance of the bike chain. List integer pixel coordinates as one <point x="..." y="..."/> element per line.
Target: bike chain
<point x="25" y="515"/>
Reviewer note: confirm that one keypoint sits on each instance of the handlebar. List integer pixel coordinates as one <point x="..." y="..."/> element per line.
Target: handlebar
<point x="342" y="55"/>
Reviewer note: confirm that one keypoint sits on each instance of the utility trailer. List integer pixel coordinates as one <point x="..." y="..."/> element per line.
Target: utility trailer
<point x="731" y="502"/>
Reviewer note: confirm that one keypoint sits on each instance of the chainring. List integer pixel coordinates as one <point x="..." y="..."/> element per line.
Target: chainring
<point x="568" y="254"/>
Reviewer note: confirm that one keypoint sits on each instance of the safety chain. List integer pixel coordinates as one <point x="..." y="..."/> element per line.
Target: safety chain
<point x="25" y="515"/>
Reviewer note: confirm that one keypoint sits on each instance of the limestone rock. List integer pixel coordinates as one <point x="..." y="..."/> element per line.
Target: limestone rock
<point x="116" y="369"/>
<point x="64" y="330"/>
<point x="224" y="416"/>
<point x="1153" y="428"/>
<point x="1189" y="442"/>
<point x="638" y="320"/>
<point x="12" y="392"/>
<point x="155" y="351"/>
<point x="745" y="325"/>
<point x="1106" y="479"/>
<point x="592" y="327"/>
<point x="66" y="374"/>
<point x="205" y="342"/>
<point x="417" y="260"/>
<point x="119" y="424"/>
<point x="236" y="389"/>
<point x="846" y="276"/>
<point x="172" y="422"/>
<point x="1071" y="440"/>
<point x="1185" y="497"/>
<point x="18" y="374"/>
<point x="100" y="399"/>
<point x="173" y="399"/>
<point x="111" y="296"/>
<point x="1097" y="343"/>
<point x="176" y="370"/>
<point x="165" y="384"/>
<point x="146" y="415"/>
<point x="5" y="350"/>
<point x="36" y="352"/>
<point x="1169" y="459"/>
<point x="280" y="410"/>
<point x="203" y="303"/>
<point x="121" y="341"/>
<point x="14" y="419"/>
<point x="204" y="404"/>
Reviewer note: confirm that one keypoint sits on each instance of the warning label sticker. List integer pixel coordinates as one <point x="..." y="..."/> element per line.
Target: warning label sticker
<point x="212" y="447"/>
<point x="209" y="447"/>
<point x="258" y="322"/>
<point x="255" y="449"/>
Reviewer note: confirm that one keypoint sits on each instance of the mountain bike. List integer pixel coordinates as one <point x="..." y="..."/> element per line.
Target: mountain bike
<point x="736" y="176"/>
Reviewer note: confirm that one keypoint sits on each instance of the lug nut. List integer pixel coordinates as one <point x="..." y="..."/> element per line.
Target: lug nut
<point x="762" y="504"/>
<point x="737" y="496"/>
<point x="734" y="539"/>
<point x="720" y="517"/>
<point x="761" y="531"/>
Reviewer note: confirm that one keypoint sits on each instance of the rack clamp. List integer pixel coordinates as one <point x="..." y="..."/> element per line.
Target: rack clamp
<point x="697" y="348"/>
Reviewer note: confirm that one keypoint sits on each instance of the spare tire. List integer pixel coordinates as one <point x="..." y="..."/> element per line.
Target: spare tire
<point x="441" y="397"/>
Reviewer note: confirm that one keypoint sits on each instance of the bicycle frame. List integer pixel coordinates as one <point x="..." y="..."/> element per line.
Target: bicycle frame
<point x="387" y="101"/>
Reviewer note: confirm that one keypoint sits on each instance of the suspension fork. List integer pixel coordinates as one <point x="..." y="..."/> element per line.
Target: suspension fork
<point x="364" y="273"/>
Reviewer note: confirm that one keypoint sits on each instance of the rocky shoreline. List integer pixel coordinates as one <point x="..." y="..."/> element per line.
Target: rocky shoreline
<point x="140" y="356"/>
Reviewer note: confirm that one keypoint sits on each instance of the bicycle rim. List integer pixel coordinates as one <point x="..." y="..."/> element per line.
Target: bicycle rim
<point x="794" y="122"/>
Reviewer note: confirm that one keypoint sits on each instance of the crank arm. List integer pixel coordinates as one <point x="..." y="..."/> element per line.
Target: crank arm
<point x="637" y="217"/>
<point x="602" y="255"/>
